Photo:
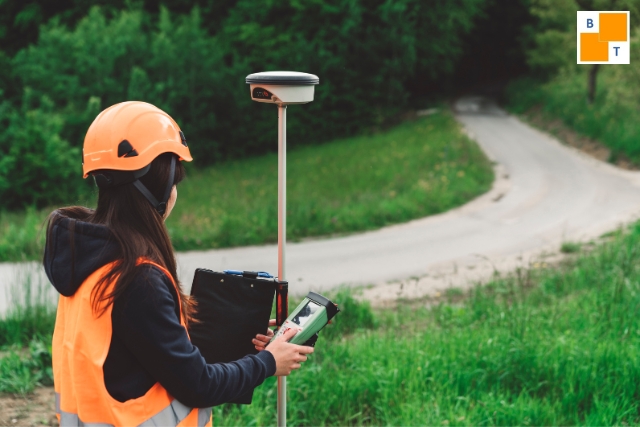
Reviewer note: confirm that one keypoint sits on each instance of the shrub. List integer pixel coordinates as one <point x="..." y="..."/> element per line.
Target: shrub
<point x="354" y="315"/>
<point x="174" y="65"/>
<point x="37" y="164"/>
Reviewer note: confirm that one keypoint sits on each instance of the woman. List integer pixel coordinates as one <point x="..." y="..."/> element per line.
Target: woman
<point x="121" y="351"/>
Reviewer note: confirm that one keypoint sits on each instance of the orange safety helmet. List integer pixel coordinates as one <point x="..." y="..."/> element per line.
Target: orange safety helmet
<point x="122" y="142"/>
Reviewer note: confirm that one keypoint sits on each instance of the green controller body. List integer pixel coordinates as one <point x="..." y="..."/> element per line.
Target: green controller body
<point x="313" y="313"/>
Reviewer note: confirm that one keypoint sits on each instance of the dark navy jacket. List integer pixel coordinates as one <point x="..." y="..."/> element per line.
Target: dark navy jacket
<point x="148" y="344"/>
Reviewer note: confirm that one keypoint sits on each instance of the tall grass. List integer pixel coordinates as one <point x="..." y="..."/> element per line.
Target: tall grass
<point x="23" y="370"/>
<point x="22" y="234"/>
<point x="30" y="314"/>
<point x="555" y="346"/>
<point x="552" y="346"/>
<point x="25" y="340"/>
<point x="418" y="168"/>
<point x="545" y="347"/>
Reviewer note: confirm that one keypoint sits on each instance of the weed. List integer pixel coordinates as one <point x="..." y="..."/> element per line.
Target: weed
<point x="570" y="247"/>
<point x="21" y="372"/>
<point x="453" y="293"/>
<point x="30" y="315"/>
<point x="25" y="339"/>
<point x="354" y="315"/>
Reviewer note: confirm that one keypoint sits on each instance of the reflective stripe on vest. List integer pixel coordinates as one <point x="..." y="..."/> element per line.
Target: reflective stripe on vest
<point x="81" y="342"/>
<point x="172" y="415"/>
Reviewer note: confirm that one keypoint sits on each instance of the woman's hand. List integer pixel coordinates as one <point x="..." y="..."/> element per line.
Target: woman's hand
<point x="261" y="341"/>
<point x="288" y="356"/>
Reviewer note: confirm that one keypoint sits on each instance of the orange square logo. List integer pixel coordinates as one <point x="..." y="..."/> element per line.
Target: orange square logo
<point x="592" y="49"/>
<point x="613" y="27"/>
<point x="603" y="37"/>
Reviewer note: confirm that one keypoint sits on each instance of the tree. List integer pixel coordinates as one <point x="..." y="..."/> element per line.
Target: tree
<point x="555" y="36"/>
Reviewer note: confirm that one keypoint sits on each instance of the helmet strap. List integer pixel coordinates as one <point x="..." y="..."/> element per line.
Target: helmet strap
<point x="160" y="207"/>
<point x="114" y="178"/>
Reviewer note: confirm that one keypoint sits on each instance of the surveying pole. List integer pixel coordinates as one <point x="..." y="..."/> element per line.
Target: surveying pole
<point x="282" y="88"/>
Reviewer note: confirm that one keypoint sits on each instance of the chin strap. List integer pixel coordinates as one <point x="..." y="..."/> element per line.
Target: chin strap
<point x="161" y="207"/>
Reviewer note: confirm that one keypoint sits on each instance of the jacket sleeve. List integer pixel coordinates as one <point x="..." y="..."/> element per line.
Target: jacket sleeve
<point x="148" y="323"/>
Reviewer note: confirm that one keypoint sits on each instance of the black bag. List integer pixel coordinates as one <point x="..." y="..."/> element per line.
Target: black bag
<point x="231" y="310"/>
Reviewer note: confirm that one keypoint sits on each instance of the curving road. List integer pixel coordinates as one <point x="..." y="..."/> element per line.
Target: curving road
<point x="545" y="193"/>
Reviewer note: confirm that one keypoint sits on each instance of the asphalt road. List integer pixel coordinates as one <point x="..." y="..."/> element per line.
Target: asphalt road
<point x="545" y="193"/>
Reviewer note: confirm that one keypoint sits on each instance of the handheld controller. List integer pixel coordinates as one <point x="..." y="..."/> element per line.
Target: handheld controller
<point x="313" y="313"/>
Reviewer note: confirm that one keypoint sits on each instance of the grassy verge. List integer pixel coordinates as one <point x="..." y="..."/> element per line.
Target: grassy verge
<point x="545" y="347"/>
<point x="552" y="346"/>
<point x="613" y="119"/>
<point x="22" y="235"/>
<point x="418" y="168"/>
<point x="25" y="343"/>
<point x="21" y="370"/>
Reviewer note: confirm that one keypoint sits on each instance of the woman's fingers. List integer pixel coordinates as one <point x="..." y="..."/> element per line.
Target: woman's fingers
<point x="305" y="349"/>
<point x="260" y="344"/>
<point x="263" y="338"/>
<point x="288" y="357"/>
<point x="287" y="335"/>
<point x="272" y="322"/>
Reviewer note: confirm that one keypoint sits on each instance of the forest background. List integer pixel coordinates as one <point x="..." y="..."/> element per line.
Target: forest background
<point x="62" y="62"/>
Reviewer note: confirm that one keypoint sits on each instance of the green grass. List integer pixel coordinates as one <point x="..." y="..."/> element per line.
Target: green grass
<point x="416" y="169"/>
<point x="570" y="247"/>
<point x="30" y="315"/>
<point x="613" y="119"/>
<point x="545" y="347"/>
<point x="550" y="346"/>
<point x="25" y="342"/>
<point x="21" y="234"/>
<point x="21" y="370"/>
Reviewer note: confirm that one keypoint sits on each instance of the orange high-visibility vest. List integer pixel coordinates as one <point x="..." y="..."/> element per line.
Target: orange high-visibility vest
<point x="80" y="345"/>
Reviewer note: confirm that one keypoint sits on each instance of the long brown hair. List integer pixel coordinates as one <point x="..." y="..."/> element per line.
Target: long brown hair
<point x="138" y="229"/>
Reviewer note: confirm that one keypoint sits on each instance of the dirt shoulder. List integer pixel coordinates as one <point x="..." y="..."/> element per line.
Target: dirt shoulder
<point x="33" y="409"/>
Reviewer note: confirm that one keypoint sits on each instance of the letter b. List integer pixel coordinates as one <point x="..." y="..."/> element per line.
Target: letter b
<point x="589" y="23"/>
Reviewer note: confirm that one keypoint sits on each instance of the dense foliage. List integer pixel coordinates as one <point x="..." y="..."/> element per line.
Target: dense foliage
<point x="600" y="102"/>
<point x="553" y="37"/>
<point x="368" y="55"/>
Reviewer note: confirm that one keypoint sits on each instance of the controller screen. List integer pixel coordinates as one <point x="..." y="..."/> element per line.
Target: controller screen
<point x="305" y="314"/>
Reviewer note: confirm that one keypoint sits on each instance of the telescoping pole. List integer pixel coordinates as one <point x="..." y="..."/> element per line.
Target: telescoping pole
<point x="282" y="238"/>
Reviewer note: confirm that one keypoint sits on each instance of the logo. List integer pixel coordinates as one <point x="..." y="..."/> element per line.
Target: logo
<point x="603" y="38"/>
